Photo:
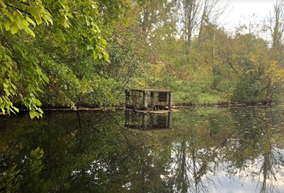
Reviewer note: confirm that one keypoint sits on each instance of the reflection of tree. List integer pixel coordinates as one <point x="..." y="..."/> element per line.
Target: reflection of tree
<point x="189" y="169"/>
<point x="252" y="150"/>
<point x="92" y="152"/>
<point x="69" y="146"/>
<point x="181" y="180"/>
<point x="194" y="155"/>
<point x="272" y="157"/>
<point x="242" y="141"/>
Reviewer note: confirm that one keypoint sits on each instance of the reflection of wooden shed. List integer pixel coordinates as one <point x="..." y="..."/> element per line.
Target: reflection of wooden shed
<point x="148" y="99"/>
<point x="148" y="121"/>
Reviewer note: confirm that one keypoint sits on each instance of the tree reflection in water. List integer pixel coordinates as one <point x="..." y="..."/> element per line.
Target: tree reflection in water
<point x="196" y="151"/>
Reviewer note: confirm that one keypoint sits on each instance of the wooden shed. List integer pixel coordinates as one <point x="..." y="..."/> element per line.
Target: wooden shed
<point x="148" y="99"/>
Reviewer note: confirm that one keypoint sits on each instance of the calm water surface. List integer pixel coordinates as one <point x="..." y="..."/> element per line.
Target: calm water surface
<point x="230" y="150"/>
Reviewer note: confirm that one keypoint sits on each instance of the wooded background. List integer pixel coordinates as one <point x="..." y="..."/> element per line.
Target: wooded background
<point x="60" y="53"/>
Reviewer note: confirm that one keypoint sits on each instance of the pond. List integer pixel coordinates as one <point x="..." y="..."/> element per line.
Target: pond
<point x="226" y="150"/>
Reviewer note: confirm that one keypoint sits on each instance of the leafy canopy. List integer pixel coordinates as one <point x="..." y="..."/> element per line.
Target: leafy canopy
<point x="44" y="41"/>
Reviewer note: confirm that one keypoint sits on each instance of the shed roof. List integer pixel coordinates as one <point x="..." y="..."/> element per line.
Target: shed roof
<point x="151" y="90"/>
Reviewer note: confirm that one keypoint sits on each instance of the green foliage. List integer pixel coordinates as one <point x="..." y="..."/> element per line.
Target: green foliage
<point x="15" y="15"/>
<point x="194" y="91"/>
<point x="32" y="170"/>
<point x="10" y="180"/>
<point x="26" y="177"/>
<point x="247" y="90"/>
<point x="54" y="50"/>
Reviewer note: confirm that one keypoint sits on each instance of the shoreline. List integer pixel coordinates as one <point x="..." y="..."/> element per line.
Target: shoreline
<point x="175" y="107"/>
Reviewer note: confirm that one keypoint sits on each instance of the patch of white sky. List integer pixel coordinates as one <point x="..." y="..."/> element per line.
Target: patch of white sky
<point x="244" y="12"/>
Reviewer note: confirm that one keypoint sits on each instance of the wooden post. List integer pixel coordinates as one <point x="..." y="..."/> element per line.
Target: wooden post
<point x="171" y="97"/>
<point x="127" y="95"/>
<point x="169" y="120"/>
<point x="152" y="95"/>
<point x="145" y="100"/>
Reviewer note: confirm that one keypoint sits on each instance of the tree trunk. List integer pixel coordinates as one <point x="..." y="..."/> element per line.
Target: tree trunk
<point x="145" y="22"/>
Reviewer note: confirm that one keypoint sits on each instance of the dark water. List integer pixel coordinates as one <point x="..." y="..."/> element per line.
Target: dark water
<point x="230" y="150"/>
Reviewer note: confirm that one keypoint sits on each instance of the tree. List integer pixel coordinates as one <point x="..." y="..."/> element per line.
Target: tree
<point x="276" y="25"/>
<point x="53" y="49"/>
